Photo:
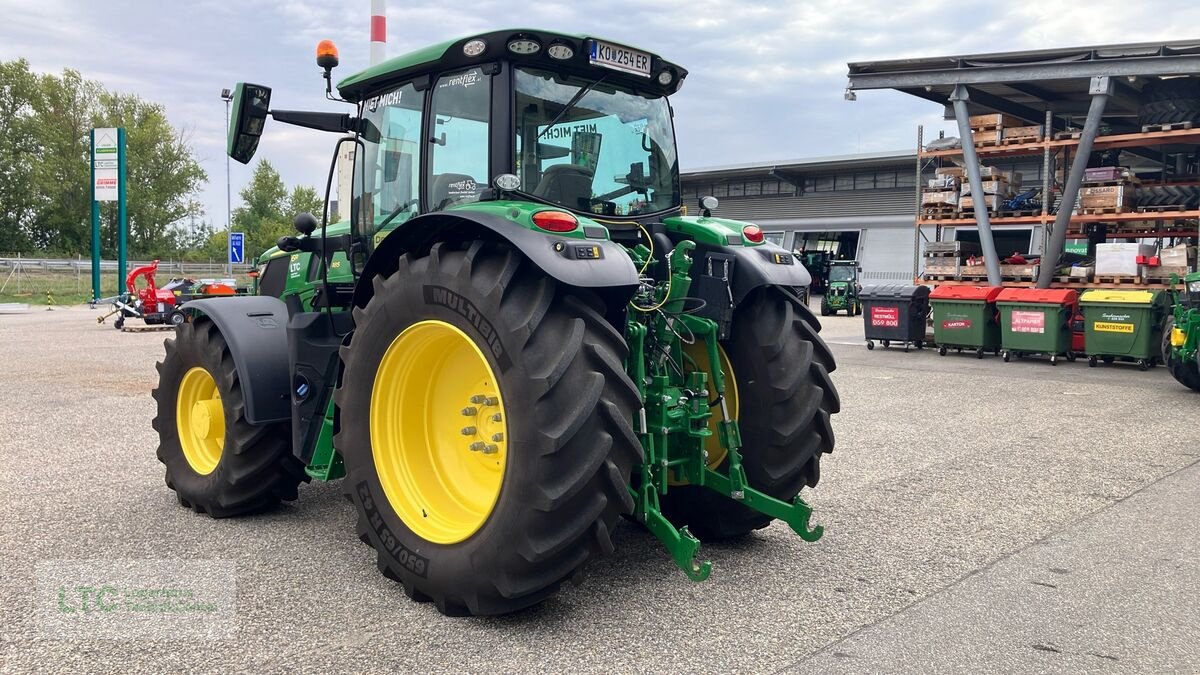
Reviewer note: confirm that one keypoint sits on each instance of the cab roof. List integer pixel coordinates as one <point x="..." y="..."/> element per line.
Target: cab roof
<point x="449" y="55"/>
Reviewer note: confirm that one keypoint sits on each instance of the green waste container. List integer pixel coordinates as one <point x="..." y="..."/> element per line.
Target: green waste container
<point x="964" y="317"/>
<point x="1036" y="321"/>
<point x="1123" y="324"/>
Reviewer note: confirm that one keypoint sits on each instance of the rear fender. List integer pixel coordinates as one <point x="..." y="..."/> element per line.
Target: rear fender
<point x="255" y="328"/>
<point x="593" y="263"/>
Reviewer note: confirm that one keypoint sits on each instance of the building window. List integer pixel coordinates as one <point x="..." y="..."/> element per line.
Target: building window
<point x="905" y="179"/>
<point x="864" y="181"/>
<point x="885" y="179"/>
<point x="822" y="184"/>
<point x="843" y="181"/>
<point x="753" y="188"/>
<point x="736" y="189"/>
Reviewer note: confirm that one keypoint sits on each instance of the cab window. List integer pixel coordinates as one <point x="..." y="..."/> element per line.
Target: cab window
<point x="386" y="180"/>
<point x="458" y="147"/>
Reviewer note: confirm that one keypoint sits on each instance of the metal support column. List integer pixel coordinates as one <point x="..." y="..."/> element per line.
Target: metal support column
<point x="1101" y="88"/>
<point x="916" y="270"/>
<point x="991" y="262"/>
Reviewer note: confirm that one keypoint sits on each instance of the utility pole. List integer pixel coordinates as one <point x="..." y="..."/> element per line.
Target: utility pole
<point x="227" y="96"/>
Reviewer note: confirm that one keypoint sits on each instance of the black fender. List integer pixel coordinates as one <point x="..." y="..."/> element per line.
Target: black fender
<point x="255" y="328"/>
<point x="613" y="272"/>
<point x="758" y="266"/>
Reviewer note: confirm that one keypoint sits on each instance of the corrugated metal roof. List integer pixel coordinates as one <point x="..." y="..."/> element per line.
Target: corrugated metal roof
<point x="886" y="158"/>
<point x="860" y="203"/>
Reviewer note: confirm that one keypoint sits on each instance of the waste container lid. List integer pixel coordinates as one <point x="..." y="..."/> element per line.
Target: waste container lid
<point x="1124" y="297"/>
<point x="893" y="291"/>
<point x="980" y="293"/>
<point x="1043" y="296"/>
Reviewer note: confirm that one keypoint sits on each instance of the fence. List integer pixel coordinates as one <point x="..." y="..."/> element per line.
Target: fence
<point x="35" y="276"/>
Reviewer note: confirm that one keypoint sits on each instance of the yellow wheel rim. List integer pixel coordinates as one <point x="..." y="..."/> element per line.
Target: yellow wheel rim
<point x="699" y="355"/>
<point x="200" y="420"/>
<point x="438" y="432"/>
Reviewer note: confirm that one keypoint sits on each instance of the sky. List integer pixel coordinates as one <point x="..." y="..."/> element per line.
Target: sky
<point x="766" y="78"/>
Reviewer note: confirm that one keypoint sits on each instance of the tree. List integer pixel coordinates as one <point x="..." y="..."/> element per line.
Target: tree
<point x="45" y="204"/>
<point x="261" y="215"/>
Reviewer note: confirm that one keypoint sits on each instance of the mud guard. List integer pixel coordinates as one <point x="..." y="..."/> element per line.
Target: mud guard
<point x="765" y="265"/>
<point x="255" y="328"/>
<point x="611" y="270"/>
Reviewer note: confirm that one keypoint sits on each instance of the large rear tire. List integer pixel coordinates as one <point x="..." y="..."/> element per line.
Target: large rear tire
<point x="559" y="411"/>
<point x="217" y="462"/>
<point x="781" y="367"/>
<point x="1187" y="374"/>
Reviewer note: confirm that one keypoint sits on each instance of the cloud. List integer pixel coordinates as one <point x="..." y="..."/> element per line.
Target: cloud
<point x="766" y="76"/>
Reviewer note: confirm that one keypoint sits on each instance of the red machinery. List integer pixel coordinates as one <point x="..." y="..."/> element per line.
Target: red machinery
<point x="157" y="305"/>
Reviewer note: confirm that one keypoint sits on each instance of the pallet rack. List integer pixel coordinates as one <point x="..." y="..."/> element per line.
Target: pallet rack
<point x="1158" y="222"/>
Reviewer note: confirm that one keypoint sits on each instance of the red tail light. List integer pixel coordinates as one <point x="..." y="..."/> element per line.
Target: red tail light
<point x="555" y="221"/>
<point x="753" y="233"/>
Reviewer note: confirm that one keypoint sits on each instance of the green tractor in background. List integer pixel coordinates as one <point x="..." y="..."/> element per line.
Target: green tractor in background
<point x="519" y="335"/>
<point x="1181" y="335"/>
<point x="841" y="293"/>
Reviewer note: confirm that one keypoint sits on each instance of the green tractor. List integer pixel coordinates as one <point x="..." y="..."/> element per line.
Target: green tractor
<point x="1181" y="335"/>
<point x="518" y="337"/>
<point x="841" y="293"/>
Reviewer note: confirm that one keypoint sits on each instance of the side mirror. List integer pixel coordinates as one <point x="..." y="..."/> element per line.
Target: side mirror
<point x="251" y="104"/>
<point x="305" y="223"/>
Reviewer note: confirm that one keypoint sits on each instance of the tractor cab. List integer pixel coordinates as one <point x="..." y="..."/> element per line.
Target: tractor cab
<point x="843" y="288"/>
<point x="529" y="117"/>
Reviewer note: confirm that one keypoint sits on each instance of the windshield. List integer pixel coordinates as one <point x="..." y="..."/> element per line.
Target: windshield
<point x="612" y="153"/>
<point x="841" y="273"/>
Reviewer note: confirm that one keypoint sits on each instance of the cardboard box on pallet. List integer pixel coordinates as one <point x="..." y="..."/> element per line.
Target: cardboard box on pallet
<point x="987" y="137"/>
<point x="1120" y="259"/>
<point x="1105" y="197"/>
<point x="939" y="197"/>
<point x="992" y="201"/>
<point x="944" y="183"/>
<point x="1103" y="173"/>
<point x="1013" y="177"/>
<point x="990" y="187"/>
<point x="957" y="171"/>
<point x="1178" y="256"/>
<point x="1032" y="133"/>
<point x="992" y="120"/>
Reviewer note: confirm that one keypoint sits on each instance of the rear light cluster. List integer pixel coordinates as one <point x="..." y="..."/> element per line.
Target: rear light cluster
<point x="753" y="234"/>
<point x="555" y="221"/>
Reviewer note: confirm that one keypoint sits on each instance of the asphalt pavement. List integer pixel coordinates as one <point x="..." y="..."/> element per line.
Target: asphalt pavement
<point x="980" y="516"/>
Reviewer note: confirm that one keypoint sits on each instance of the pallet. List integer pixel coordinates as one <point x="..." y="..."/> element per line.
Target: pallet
<point x="1131" y="182"/>
<point x="950" y="247"/>
<point x="147" y="329"/>
<point x="1105" y="211"/>
<point x="1162" y="208"/>
<point x="1118" y="279"/>
<point x="939" y="212"/>
<point x="1020" y="140"/>
<point x="941" y="277"/>
<point x="1176" y="126"/>
<point x="1018" y="213"/>
<point x="1068" y="135"/>
<point x="1164" y="272"/>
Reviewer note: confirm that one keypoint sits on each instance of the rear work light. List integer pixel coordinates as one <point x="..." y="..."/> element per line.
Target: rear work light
<point x="555" y="221"/>
<point x="753" y="233"/>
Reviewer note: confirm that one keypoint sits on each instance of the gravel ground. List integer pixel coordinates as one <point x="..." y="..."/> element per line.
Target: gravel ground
<point x="949" y="475"/>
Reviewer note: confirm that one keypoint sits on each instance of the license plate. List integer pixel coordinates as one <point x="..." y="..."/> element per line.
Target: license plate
<point x="620" y="58"/>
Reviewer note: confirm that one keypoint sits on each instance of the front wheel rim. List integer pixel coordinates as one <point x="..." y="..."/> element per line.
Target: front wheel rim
<point x="438" y="429"/>
<point x="200" y="420"/>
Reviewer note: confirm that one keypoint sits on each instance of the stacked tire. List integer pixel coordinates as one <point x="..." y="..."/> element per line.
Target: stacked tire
<point x="1170" y="101"/>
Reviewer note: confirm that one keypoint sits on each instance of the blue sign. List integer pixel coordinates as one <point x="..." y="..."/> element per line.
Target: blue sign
<point x="237" y="248"/>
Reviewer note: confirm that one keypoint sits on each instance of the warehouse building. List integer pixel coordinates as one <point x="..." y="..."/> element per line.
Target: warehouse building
<point x="859" y="207"/>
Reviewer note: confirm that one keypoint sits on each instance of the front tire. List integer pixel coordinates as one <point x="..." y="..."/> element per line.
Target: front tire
<point x="217" y="462"/>
<point x="566" y="446"/>
<point x="781" y="367"/>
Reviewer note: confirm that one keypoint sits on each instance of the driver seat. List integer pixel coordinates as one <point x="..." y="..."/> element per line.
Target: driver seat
<point x="567" y="184"/>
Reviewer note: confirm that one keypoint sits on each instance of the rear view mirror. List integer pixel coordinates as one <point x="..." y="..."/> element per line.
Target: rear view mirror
<point x="251" y="103"/>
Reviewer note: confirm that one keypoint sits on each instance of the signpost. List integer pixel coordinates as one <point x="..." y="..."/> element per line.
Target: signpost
<point x="108" y="185"/>
<point x="237" y="250"/>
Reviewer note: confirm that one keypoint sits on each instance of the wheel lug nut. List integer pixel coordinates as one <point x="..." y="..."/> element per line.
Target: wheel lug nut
<point x="497" y="437"/>
<point x="491" y="400"/>
<point x="470" y="412"/>
<point x="491" y="450"/>
<point x="496" y="417"/>
<point x="479" y="446"/>
<point x="468" y="431"/>
<point x="478" y="399"/>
